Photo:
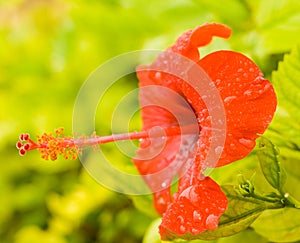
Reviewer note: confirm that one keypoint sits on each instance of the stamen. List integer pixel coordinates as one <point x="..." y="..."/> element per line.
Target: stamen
<point x="52" y="145"/>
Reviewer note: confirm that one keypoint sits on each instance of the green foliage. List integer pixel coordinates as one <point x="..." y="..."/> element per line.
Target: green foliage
<point x="48" y="49"/>
<point x="268" y="157"/>
<point x="283" y="225"/>
<point x="287" y="89"/>
<point x="152" y="235"/>
<point x="279" y="225"/>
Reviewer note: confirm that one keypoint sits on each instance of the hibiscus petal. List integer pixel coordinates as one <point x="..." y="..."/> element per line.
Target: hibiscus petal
<point x="195" y="210"/>
<point x="249" y="100"/>
<point x="159" y="158"/>
<point x="187" y="44"/>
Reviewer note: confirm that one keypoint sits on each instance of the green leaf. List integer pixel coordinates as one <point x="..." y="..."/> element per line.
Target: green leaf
<point x="279" y="225"/>
<point x="285" y="126"/>
<point x="235" y="9"/>
<point x="292" y="168"/>
<point x="241" y="213"/>
<point x="152" y="235"/>
<point x="268" y="157"/>
<point x="249" y="234"/>
<point x="144" y="203"/>
<point x="278" y="25"/>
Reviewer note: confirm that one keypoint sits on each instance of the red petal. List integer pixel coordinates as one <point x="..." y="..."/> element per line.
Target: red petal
<point x="187" y="44"/>
<point x="249" y="100"/>
<point x="160" y="159"/>
<point x="203" y="34"/>
<point x="195" y="210"/>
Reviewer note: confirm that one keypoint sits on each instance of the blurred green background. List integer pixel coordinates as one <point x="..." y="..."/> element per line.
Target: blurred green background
<point x="47" y="50"/>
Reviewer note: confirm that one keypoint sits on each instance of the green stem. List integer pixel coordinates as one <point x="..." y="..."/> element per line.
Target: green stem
<point x="266" y="199"/>
<point x="290" y="201"/>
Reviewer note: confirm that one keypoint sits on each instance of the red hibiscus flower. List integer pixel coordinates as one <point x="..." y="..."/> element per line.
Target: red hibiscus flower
<point x="249" y="103"/>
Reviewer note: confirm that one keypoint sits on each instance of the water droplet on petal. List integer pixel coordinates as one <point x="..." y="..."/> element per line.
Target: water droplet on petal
<point x="251" y="70"/>
<point x="249" y="143"/>
<point x="267" y="86"/>
<point x="208" y="118"/>
<point x="158" y="75"/>
<point x="240" y="70"/>
<point x="218" y="150"/>
<point x="195" y="231"/>
<point x="248" y="93"/>
<point x="212" y="222"/>
<point x="190" y="194"/>
<point x="164" y="184"/>
<point x="181" y="219"/>
<point x="182" y="228"/>
<point x="196" y="216"/>
<point x="258" y="79"/>
<point x="229" y="98"/>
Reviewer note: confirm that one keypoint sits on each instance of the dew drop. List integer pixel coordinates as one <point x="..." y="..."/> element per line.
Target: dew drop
<point x="248" y="93"/>
<point x="209" y="118"/>
<point x="240" y="70"/>
<point x="181" y="219"/>
<point x="182" y="229"/>
<point x="251" y="70"/>
<point x="158" y="75"/>
<point x="164" y="184"/>
<point x="196" y="216"/>
<point x="218" y="150"/>
<point x="220" y="121"/>
<point x="195" y="231"/>
<point x="161" y="201"/>
<point x="249" y="143"/>
<point x="258" y="80"/>
<point x="229" y="98"/>
<point x="267" y="86"/>
<point x="190" y="194"/>
<point x="212" y="222"/>
<point x="218" y="81"/>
